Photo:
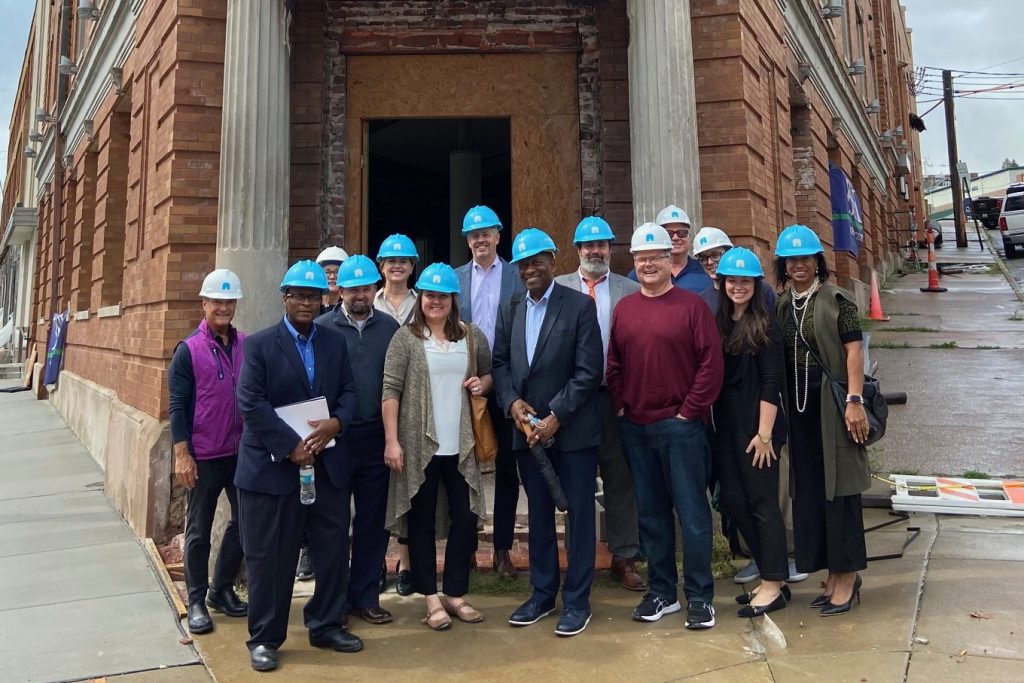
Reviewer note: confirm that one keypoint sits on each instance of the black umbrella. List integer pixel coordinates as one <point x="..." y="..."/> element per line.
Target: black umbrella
<point x="547" y="470"/>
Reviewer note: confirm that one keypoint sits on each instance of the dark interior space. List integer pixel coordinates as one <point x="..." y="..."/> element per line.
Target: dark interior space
<point x="419" y="167"/>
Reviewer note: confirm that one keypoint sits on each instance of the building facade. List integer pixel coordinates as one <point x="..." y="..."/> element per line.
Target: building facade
<point x="249" y="133"/>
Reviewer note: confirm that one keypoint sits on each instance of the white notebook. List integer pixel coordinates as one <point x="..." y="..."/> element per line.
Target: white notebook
<point x="296" y="414"/>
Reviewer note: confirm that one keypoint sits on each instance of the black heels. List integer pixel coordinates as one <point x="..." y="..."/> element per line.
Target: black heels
<point x="403" y="580"/>
<point x="831" y="609"/>
<point x="751" y="611"/>
<point x="745" y="598"/>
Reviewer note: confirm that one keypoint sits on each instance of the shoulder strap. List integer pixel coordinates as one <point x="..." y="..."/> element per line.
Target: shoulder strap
<point x="470" y="350"/>
<point x="817" y="358"/>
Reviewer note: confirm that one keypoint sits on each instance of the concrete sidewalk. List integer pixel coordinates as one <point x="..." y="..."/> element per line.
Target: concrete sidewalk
<point x="78" y="596"/>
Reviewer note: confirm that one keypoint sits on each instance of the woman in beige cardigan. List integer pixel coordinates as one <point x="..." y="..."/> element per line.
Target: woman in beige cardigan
<point x="432" y="365"/>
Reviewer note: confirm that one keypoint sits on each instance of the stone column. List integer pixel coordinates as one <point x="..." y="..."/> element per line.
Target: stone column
<point x="662" y="109"/>
<point x="252" y="213"/>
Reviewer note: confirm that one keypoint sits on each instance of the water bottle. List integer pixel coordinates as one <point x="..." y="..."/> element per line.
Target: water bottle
<point x="307" y="486"/>
<point x="536" y="424"/>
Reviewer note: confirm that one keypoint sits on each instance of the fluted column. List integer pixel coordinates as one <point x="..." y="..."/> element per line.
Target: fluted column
<point x="662" y="109"/>
<point x="252" y="214"/>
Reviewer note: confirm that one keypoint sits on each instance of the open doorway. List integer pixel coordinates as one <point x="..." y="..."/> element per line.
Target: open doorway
<point x="424" y="174"/>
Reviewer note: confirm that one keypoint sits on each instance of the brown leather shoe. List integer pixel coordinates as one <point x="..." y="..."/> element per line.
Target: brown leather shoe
<point x="503" y="564"/>
<point x="373" y="615"/>
<point x="625" y="571"/>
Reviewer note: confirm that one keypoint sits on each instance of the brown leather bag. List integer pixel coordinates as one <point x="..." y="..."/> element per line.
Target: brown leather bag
<point x="486" y="440"/>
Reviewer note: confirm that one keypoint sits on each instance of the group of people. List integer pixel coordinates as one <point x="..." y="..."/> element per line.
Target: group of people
<point x="683" y="378"/>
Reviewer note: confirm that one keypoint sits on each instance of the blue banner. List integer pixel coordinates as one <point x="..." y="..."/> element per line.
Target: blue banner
<point x="55" y="347"/>
<point x="847" y="224"/>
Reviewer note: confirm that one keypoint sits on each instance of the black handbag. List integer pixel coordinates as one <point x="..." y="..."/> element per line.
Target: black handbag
<point x="875" y="406"/>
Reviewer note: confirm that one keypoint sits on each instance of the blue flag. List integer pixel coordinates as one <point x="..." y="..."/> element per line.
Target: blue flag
<point x="55" y="347"/>
<point x="847" y="224"/>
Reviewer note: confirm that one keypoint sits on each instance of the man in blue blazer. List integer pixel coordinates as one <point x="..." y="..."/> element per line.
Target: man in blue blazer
<point x="488" y="282"/>
<point x="548" y="363"/>
<point x="287" y="363"/>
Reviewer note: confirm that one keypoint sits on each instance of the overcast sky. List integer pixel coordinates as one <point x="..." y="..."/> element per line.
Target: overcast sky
<point x="978" y="35"/>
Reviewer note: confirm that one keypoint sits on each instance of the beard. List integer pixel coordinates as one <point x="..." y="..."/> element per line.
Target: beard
<point x="594" y="268"/>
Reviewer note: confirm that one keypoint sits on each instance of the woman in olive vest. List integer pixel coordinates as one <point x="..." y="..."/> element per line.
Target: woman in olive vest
<point x="820" y="325"/>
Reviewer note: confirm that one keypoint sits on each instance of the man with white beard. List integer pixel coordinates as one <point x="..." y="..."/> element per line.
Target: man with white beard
<point x="593" y="241"/>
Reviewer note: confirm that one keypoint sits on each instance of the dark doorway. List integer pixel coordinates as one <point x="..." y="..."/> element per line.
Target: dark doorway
<point x="424" y="174"/>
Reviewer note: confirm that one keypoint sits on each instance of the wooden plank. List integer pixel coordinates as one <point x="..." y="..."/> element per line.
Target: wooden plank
<point x="161" y="570"/>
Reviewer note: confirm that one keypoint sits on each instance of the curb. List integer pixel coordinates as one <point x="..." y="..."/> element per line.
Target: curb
<point x="1014" y="285"/>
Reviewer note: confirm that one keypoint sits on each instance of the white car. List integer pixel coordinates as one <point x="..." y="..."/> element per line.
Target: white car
<point x="1011" y="223"/>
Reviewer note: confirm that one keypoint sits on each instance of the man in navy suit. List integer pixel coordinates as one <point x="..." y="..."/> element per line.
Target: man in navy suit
<point x="548" y="363"/>
<point x="287" y="363"/>
<point x="488" y="283"/>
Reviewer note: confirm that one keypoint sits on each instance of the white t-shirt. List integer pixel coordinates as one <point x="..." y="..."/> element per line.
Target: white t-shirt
<point x="447" y="363"/>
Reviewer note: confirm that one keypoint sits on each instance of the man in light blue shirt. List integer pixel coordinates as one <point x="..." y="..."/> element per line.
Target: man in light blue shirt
<point x="535" y="311"/>
<point x="487" y="283"/>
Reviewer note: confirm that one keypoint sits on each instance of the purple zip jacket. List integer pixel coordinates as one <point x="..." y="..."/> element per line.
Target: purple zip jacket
<point x="217" y="423"/>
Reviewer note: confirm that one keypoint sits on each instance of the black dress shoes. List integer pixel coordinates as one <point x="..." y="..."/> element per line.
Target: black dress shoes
<point x="263" y="658"/>
<point x="529" y="613"/>
<point x="228" y="602"/>
<point x="751" y="611"/>
<point x="373" y="615"/>
<point x="403" y="582"/>
<point x="337" y="640"/>
<point x="745" y="598"/>
<point x="199" y="620"/>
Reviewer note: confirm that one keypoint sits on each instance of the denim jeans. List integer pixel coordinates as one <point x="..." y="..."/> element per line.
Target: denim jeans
<point x="671" y="464"/>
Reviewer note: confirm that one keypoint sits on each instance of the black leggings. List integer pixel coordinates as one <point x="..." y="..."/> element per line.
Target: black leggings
<point x="458" y="553"/>
<point x="829" y="534"/>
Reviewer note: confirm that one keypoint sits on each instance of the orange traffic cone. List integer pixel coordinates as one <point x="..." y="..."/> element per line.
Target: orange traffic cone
<point x="875" y="312"/>
<point x="933" y="267"/>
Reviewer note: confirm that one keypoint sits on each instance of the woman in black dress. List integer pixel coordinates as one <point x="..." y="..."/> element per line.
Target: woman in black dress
<point x="748" y="425"/>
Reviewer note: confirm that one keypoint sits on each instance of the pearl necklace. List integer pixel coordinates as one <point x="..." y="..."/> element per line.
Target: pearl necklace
<point x="801" y="301"/>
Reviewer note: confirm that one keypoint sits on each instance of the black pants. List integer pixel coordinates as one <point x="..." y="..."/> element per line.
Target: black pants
<point x="828" y="534"/>
<point x="272" y="528"/>
<point x="370" y="494"/>
<point x="506" y="479"/>
<point x="458" y="553"/>
<point x="750" y="496"/>
<point x="214" y="476"/>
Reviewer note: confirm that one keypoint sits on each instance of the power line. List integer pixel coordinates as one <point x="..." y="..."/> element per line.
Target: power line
<point x="961" y="71"/>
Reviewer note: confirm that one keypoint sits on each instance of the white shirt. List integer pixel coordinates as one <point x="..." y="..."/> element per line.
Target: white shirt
<point x="485" y="294"/>
<point x="447" y="363"/>
<point x="404" y="312"/>
<point x="604" y="309"/>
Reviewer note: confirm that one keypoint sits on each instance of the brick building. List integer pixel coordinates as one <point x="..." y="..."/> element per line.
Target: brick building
<point x="249" y="133"/>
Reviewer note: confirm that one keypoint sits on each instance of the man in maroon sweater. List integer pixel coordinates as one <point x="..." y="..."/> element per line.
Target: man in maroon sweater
<point x="664" y="371"/>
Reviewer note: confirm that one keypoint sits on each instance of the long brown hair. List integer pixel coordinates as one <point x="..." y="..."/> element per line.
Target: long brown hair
<point x="453" y="330"/>
<point x="750" y="332"/>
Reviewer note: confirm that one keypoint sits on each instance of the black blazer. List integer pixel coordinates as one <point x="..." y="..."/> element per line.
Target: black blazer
<point x="273" y="375"/>
<point x="566" y="370"/>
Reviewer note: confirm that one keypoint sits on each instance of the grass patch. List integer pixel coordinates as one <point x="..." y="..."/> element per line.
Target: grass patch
<point x="943" y="345"/>
<point x="909" y="328"/>
<point x="489" y="583"/>
<point x="891" y="313"/>
<point x="988" y="348"/>
<point x="904" y="471"/>
<point x="1017" y="316"/>
<point x="976" y="474"/>
<point x="884" y="344"/>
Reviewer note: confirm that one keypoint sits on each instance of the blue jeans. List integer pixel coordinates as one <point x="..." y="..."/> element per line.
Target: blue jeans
<point x="671" y="463"/>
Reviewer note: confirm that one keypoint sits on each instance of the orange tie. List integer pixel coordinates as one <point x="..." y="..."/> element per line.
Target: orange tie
<point x="592" y="286"/>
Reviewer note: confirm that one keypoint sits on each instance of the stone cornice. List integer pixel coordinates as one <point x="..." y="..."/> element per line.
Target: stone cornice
<point x="814" y="47"/>
<point x="19" y="228"/>
<point x="111" y="44"/>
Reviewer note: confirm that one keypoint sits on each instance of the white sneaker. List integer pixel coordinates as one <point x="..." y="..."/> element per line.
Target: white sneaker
<point x="794" y="575"/>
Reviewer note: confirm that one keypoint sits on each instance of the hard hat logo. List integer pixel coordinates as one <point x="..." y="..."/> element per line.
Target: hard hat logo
<point x="359" y="272"/>
<point x="797" y="243"/>
<point x="703" y="240"/>
<point x="675" y="214"/>
<point x="225" y="286"/>
<point x="740" y="263"/>
<point x="522" y="246"/>
<point x="310" y="275"/>
<point x="649" y="237"/>
<point x="436" y="279"/>
<point x="478" y="218"/>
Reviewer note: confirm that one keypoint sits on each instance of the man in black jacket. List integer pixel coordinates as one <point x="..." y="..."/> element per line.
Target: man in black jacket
<point x="548" y="363"/>
<point x="367" y="335"/>
<point x="291" y="362"/>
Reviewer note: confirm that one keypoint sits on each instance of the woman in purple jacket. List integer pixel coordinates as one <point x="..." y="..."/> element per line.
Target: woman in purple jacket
<point x="206" y="426"/>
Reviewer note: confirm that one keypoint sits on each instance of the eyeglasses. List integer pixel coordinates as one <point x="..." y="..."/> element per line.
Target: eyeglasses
<point x="707" y="257"/>
<point x="304" y="298"/>
<point x="331" y="270"/>
<point x="681" y="233"/>
<point x="644" y="260"/>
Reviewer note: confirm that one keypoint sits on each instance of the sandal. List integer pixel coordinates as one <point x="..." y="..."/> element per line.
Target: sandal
<point x="438" y="625"/>
<point x="464" y="612"/>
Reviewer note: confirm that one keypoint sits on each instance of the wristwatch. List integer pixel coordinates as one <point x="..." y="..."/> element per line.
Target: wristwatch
<point x="764" y="439"/>
<point x="854" y="398"/>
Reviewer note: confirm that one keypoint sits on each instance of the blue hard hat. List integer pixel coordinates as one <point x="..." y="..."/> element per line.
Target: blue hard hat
<point x="397" y="246"/>
<point x="478" y="218"/>
<point x="593" y="229"/>
<point x="439" y="277"/>
<point x="531" y="241"/>
<point x="305" y="274"/>
<point x="739" y="262"/>
<point x="797" y="240"/>
<point x="356" y="271"/>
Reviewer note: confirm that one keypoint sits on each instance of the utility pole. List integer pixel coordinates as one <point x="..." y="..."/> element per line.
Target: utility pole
<point x="955" y="182"/>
